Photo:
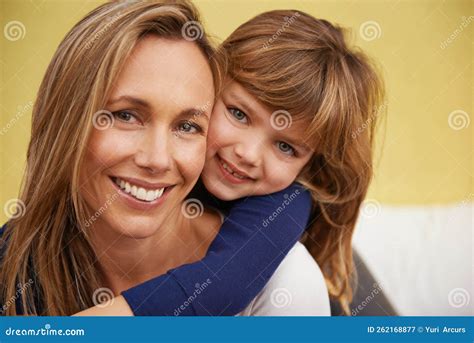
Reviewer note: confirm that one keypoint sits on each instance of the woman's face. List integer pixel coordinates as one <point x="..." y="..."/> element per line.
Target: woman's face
<point x="137" y="171"/>
<point x="251" y="149"/>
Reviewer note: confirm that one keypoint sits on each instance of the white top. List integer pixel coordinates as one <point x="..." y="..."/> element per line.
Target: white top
<point x="297" y="288"/>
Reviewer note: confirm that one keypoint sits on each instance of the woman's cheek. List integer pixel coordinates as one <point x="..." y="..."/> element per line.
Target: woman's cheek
<point x="110" y="145"/>
<point x="190" y="155"/>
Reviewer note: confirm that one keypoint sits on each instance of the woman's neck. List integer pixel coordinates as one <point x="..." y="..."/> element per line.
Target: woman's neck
<point x="127" y="261"/>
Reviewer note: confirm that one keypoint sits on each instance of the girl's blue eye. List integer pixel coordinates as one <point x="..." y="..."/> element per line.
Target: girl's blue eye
<point x="238" y="115"/>
<point x="286" y="148"/>
<point x="189" y="127"/>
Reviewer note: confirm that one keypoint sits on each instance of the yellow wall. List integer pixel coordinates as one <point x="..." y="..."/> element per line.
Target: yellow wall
<point x="423" y="161"/>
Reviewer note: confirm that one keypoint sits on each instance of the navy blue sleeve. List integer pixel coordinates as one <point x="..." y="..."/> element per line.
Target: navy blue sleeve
<point x="256" y="235"/>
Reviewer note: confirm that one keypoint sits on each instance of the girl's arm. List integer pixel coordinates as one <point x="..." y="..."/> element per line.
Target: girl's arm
<point x="255" y="237"/>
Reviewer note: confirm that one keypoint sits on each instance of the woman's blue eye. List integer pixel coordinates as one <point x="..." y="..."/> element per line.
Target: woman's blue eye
<point x="189" y="127"/>
<point x="286" y="148"/>
<point x="238" y="114"/>
<point x="124" y="116"/>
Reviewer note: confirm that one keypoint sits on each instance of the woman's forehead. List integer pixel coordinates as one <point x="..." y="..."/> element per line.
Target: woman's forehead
<point x="166" y="73"/>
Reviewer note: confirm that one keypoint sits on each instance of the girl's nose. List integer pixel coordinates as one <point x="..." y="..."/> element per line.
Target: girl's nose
<point x="249" y="153"/>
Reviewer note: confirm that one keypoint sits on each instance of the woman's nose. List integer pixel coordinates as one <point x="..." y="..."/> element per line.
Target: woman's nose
<point x="153" y="152"/>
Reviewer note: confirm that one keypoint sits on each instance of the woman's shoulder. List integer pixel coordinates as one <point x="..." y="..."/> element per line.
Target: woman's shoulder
<point x="297" y="288"/>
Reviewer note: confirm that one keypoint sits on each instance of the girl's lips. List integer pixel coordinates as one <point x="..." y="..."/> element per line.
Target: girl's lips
<point x="140" y="205"/>
<point x="228" y="176"/>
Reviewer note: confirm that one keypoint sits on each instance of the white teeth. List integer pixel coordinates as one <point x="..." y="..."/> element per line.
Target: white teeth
<point x="226" y="167"/>
<point x="140" y="192"/>
<point x="150" y="195"/>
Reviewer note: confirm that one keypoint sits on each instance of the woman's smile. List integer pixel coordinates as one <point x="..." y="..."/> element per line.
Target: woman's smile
<point x="140" y="194"/>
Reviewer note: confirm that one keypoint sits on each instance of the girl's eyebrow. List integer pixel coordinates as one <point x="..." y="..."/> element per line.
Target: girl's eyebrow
<point x="188" y="112"/>
<point x="242" y="103"/>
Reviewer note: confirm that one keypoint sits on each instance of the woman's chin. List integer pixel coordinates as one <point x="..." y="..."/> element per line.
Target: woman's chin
<point x="137" y="228"/>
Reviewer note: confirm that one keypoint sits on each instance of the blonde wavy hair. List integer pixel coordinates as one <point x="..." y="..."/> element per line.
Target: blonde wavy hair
<point x="48" y="248"/>
<point x="292" y="61"/>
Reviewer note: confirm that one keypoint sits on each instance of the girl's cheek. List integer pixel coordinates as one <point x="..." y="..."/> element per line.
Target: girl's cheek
<point x="222" y="133"/>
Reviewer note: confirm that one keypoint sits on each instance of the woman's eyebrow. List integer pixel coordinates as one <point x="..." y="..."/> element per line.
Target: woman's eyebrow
<point x="186" y="113"/>
<point x="131" y="99"/>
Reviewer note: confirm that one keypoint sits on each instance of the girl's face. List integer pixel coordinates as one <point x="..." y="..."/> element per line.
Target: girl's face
<point x="138" y="171"/>
<point x="252" y="150"/>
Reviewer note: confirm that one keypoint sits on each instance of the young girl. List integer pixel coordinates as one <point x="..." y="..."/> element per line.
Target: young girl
<point x="291" y="108"/>
<point x="298" y="104"/>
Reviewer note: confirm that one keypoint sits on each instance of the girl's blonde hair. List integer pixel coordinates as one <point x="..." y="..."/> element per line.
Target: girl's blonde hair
<point x="48" y="253"/>
<point x="294" y="62"/>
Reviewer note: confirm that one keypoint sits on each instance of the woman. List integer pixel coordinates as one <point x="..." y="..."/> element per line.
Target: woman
<point x="86" y="233"/>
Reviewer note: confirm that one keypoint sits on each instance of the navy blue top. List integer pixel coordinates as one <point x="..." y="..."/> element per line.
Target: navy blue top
<point x="257" y="233"/>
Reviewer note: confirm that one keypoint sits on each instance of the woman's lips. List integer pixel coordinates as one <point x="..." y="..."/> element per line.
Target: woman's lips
<point x="135" y="203"/>
<point x="229" y="176"/>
